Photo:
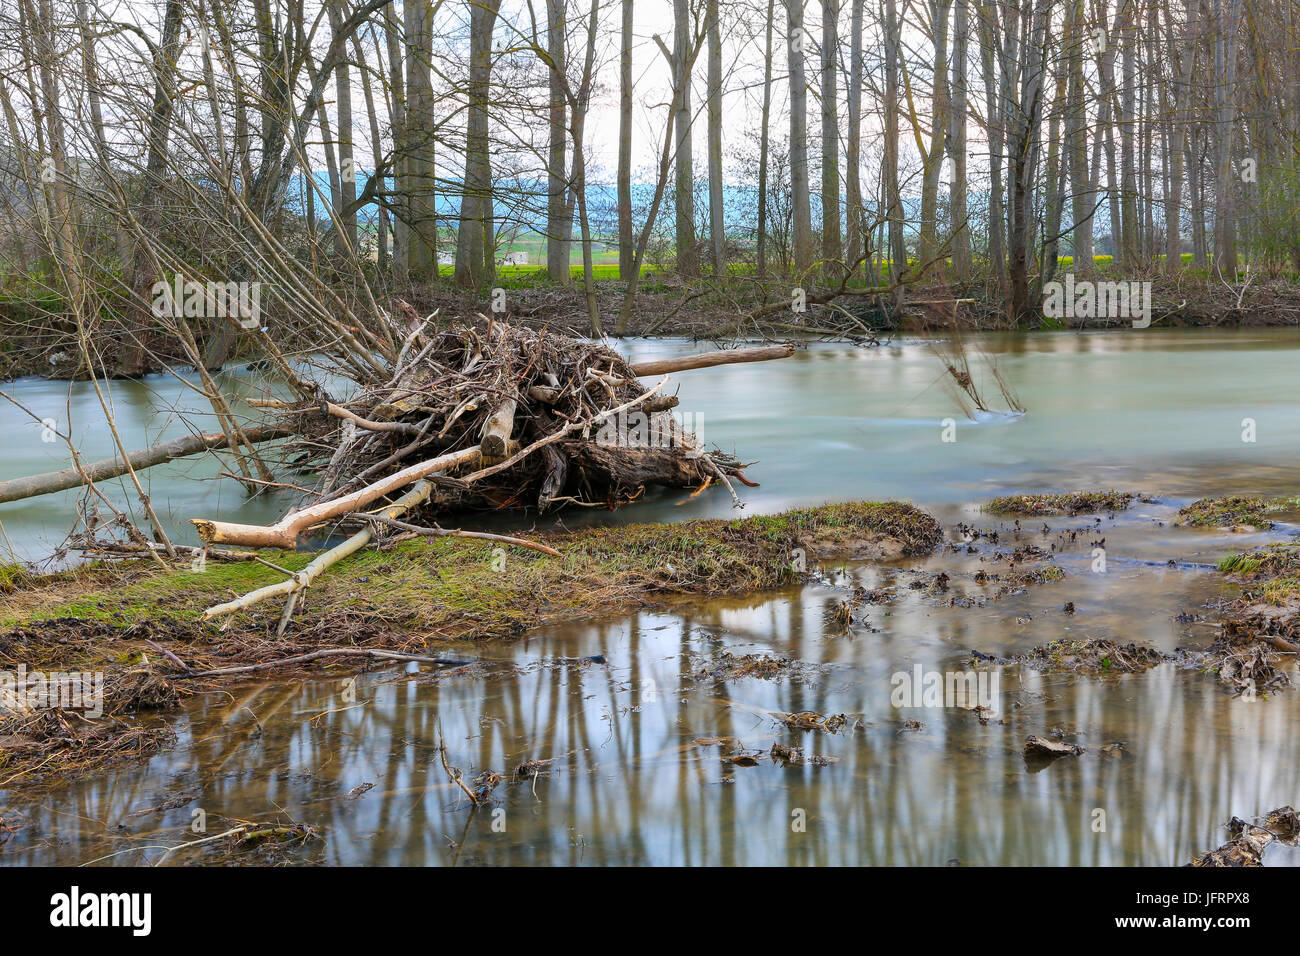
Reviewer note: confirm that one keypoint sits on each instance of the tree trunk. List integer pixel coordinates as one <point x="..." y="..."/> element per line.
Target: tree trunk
<point x="832" y="249"/>
<point x="1226" y="17"/>
<point x="557" y="185"/>
<point x="717" y="218"/>
<point x="893" y="194"/>
<point x="957" y="190"/>
<point x="1128" y="225"/>
<point x="1076" y="142"/>
<point x="422" y="242"/>
<point x="396" y="96"/>
<point x="687" y="258"/>
<point x="626" y="249"/>
<point x="996" y="131"/>
<point x="134" y="348"/>
<point x="475" y="242"/>
<point x="345" y="226"/>
<point x="1186" y="60"/>
<point x="803" y="239"/>
<point x="764" y="134"/>
<point x="855" y="241"/>
<point x="933" y="157"/>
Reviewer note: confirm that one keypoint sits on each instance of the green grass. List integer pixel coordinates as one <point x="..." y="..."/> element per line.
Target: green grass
<point x="459" y="587"/>
<point x="1278" y="560"/>
<point x="1070" y="503"/>
<point x="1233" y="511"/>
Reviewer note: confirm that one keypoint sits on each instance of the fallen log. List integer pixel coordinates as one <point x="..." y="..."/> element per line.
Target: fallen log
<point x="496" y="443"/>
<point x="765" y="353"/>
<point x="16" y="489"/>
<point x="322" y="562"/>
<point x="284" y="533"/>
<point x="330" y="652"/>
<point x="549" y="396"/>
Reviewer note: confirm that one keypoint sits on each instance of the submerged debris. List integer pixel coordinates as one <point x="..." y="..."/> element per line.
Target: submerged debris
<point x="1269" y="607"/>
<point x="265" y="840"/>
<point x="1071" y="503"/>
<point x="811" y="720"/>
<point x="794" y="756"/>
<point x="1018" y="581"/>
<point x="1040" y="748"/>
<point x="731" y="667"/>
<point x="485" y="783"/>
<point x="530" y="769"/>
<point x="1248" y="669"/>
<point x="50" y="742"/>
<point x="728" y="667"/>
<point x="1248" y="840"/>
<point x="1095" y="658"/>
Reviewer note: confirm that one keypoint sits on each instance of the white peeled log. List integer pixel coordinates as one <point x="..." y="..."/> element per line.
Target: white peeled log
<point x="323" y="561"/>
<point x="284" y="533"/>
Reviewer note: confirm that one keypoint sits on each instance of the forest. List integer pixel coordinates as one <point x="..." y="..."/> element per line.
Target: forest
<point x="631" y="168"/>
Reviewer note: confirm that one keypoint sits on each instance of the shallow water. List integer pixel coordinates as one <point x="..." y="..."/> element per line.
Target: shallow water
<point x="638" y="773"/>
<point x="639" y="742"/>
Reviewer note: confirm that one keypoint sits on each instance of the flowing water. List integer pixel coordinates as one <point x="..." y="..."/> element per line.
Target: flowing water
<point x="639" y="729"/>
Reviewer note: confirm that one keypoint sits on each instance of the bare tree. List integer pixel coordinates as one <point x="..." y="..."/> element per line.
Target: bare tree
<point x="797" y="38"/>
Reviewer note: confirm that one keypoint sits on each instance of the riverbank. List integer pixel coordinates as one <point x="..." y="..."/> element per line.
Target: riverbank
<point x="36" y="341"/>
<point x="141" y="627"/>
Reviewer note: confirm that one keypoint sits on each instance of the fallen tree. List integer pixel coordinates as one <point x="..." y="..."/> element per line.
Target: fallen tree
<point x="16" y="489"/>
<point x="461" y="419"/>
<point x="548" y="420"/>
<point x="474" y="419"/>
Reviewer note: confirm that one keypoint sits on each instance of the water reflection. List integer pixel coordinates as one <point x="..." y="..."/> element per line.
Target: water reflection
<point x="636" y="774"/>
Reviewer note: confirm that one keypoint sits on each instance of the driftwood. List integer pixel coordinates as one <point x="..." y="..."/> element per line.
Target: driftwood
<point x="327" y="652"/>
<point x="16" y="489"/>
<point x="284" y="533"/>
<point x="338" y="411"/>
<point x="415" y="531"/>
<point x="497" y="442"/>
<point x="765" y="353"/>
<point x="303" y="579"/>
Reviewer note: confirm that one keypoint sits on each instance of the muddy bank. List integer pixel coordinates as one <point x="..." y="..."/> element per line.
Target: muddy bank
<point x="413" y="602"/>
<point x="668" y="304"/>
<point x="1066" y="504"/>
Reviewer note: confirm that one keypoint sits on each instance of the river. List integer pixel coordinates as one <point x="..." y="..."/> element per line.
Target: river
<point x="640" y="743"/>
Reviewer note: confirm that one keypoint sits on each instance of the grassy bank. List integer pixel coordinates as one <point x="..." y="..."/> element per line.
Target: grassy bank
<point x="140" y="626"/>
